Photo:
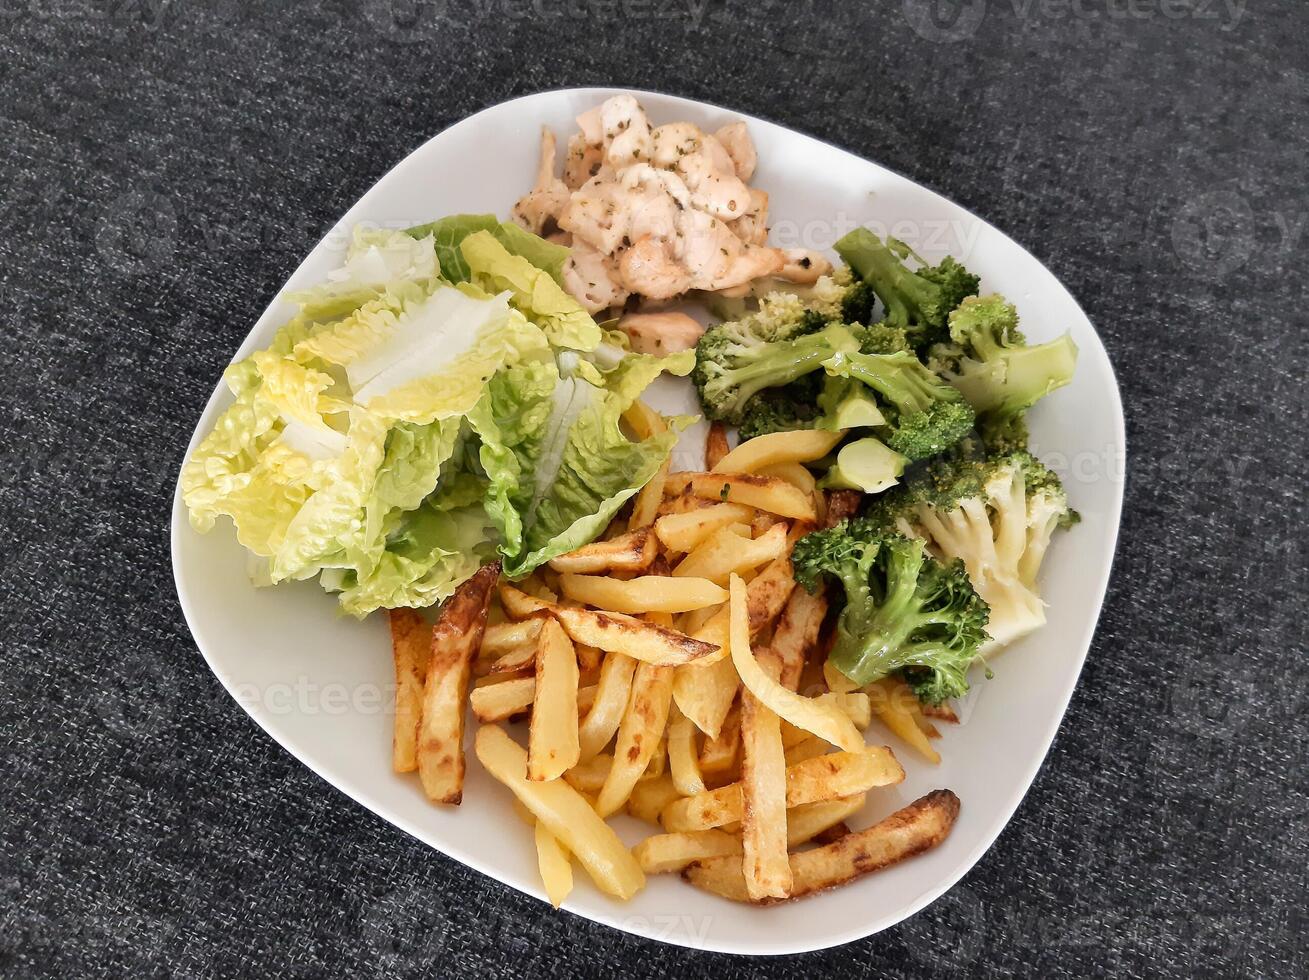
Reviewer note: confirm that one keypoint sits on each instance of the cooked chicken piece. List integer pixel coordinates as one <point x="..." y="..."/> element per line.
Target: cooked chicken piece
<point x="752" y="226"/>
<point x="674" y="141"/>
<point x="544" y="202"/>
<point x="717" y="258"/>
<point x="718" y="156"/>
<point x="592" y="278"/>
<point x="735" y="138"/>
<point x="592" y="126"/>
<point x="650" y="268"/>
<point x="720" y="192"/>
<point x="582" y="161"/>
<point x="660" y="333"/>
<point x="627" y="132"/>
<point x="592" y="214"/>
<point x="803" y="266"/>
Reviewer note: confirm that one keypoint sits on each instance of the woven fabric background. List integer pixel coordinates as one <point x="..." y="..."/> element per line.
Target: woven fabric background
<point x="165" y="164"/>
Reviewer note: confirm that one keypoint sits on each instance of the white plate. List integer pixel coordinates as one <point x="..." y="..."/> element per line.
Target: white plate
<point x="321" y="684"/>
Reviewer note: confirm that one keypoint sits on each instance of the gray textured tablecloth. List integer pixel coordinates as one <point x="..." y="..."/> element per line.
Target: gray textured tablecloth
<point x="165" y="165"/>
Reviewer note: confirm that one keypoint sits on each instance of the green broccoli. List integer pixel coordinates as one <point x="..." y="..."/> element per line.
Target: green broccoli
<point x="904" y="611"/>
<point x="925" y="415"/>
<point x="997" y="515"/>
<point x="917" y="301"/>
<point x="792" y="406"/>
<point x="989" y="360"/>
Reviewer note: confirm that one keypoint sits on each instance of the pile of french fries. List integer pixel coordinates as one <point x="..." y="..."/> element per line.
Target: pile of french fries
<point x="672" y="670"/>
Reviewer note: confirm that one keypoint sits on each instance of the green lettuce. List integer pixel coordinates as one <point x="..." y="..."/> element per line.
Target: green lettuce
<point x="448" y="234"/>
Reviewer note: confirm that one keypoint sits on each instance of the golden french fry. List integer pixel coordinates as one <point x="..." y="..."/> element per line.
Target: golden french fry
<point x="455" y="639"/>
<point x="499" y="702"/>
<point x="724" y="553"/>
<point x="658" y="763"/>
<point x="587" y="777"/>
<point x="941" y="712"/>
<point x="683" y="760"/>
<point x="649" y="593"/>
<point x="715" y="446"/>
<point x="555" y="867"/>
<point x="650" y="796"/>
<point x="613" y="632"/>
<point x="680" y="501"/>
<point x="411" y="646"/>
<point x="824" y="777"/>
<point x="752" y="489"/>
<point x="889" y="699"/>
<point x="719" y="755"/>
<point x="801" y="446"/>
<point x="825" y="720"/>
<point x="565" y="813"/>
<point x="588" y="658"/>
<point x="503" y="638"/>
<point x="796" y="634"/>
<point x="804" y="823"/>
<point x="808" y="748"/>
<point x="638" y="735"/>
<point x="918" y="827"/>
<point x="794" y="474"/>
<point x="630" y="552"/>
<point x="837" y="682"/>
<point x="646" y="507"/>
<point x="767" y="593"/>
<point x="705" y="694"/>
<point x="552" y="746"/>
<point x="682" y="532"/>
<point x="606" y="713"/>
<point x="523" y="658"/>
<point x="763" y="801"/>
<point x="662" y="853"/>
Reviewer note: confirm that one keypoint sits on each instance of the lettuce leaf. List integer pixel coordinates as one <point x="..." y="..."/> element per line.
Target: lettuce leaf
<point x="448" y="234"/>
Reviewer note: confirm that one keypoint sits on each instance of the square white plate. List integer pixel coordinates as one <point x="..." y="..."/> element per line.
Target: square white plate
<point x="322" y="685"/>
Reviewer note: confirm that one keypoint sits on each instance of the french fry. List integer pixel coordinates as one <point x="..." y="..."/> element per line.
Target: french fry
<point x="638" y="734"/>
<point x="499" y="702"/>
<point x="658" y="764"/>
<point x="455" y="639"/>
<point x="411" y="646"/>
<point x="606" y="713"/>
<point x="650" y="796"/>
<point x="682" y="532"/>
<point x="768" y="592"/>
<point x="552" y="746"/>
<point x="808" y="748"/>
<point x="565" y="813"/>
<point x="824" y="720"/>
<point x="523" y="658"/>
<point x="683" y="760"/>
<point x="661" y="853"/>
<point x="680" y="501"/>
<point x="764" y="492"/>
<point x="506" y="637"/>
<point x="941" y="712"/>
<point x="588" y="658"/>
<point x="555" y="867"/>
<point x="800" y="446"/>
<point x="916" y="828"/>
<point x="796" y="634"/>
<point x="630" y="552"/>
<point x="889" y="699"/>
<point x="840" y="505"/>
<point x="649" y="593"/>
<point x="856" y="705"/>
<point x="719" y="755"/>
<point x="705" y="694"/>
<point x="612" y="632"/>
<point x="794" y="474"/>
<point x="715" y="446"/>
<point x="804" y="823"/>
<point x="763" y="799"/>
<point x="825" y="777"/>
<point x="724" y="553"/>
<point x="587" y="777"/>
<point x="645" y="423"/>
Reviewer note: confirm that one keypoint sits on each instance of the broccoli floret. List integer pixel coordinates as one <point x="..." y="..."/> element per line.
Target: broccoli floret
<point x="1002" y="435"/>
<point x="925" y="416"/>
<point x="917" y="301"/>
<point x="997" y="515"/>
<point x="882" y="338"/>
<point x="738" y="359"/>
<point x="904" y="611"/>
<point x="989" y="360"/>
<point x="783" y="409"/>
<point x="858" y="302"/>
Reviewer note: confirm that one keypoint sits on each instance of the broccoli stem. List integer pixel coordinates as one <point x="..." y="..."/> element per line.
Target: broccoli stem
<point x="899" y="378"/>
<point x="871" y="648"/>
<point x="900" y="290"/>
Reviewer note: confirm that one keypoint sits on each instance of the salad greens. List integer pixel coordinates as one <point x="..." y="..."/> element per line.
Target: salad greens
<point x="438" y="402"/>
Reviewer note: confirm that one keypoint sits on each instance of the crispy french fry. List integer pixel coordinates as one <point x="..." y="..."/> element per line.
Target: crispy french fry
<point x="682" y="532"/>
<point x="912" y="830"/>
<point x="796" y="634"/>
<point x="725" y="552"/>
<point x="941" y="712"/>
<point x="889" y="699"/>
<point x="763" y="800"/>
<point x="658" y="764"/>
<point x="683" y="760"/>
<point x="662" y="853"/>
<point x="719" y="755"/>
<point x="638" y="735"/>
<point x="587" y="777"/>
<point x="555" y="867"/>
<point x="679" y="501"/>
<point x="455" y="639"/>
<point x="705" y="694"/>
<point x="825" y="777"/>
<point x="650" y="796"/>
<point x="499" y="702"/>
<point x="612" y="632"/>
<point x="523" y="658"/>
<point x="588" y="658"/>
<point x="808" y="748"/>
<point x="825" y="720"/>
<point x="630" y="552"/>
<point x="606" y="713"/>
<point x="649" y="593"/>
<point x="767" y="593"/>
<point x="856" y="705"/>
<point x="715" y="446"/>
<point x="503" y="638"/>
<point x="411" y="646"/>
<point x="804" y="823"/>
<point x="553" y="746"/>
<point x="794" y="474"/>
<point x="565" y="813"/>
<point x="801" y="446"/>
<point x="752" y="489"/>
